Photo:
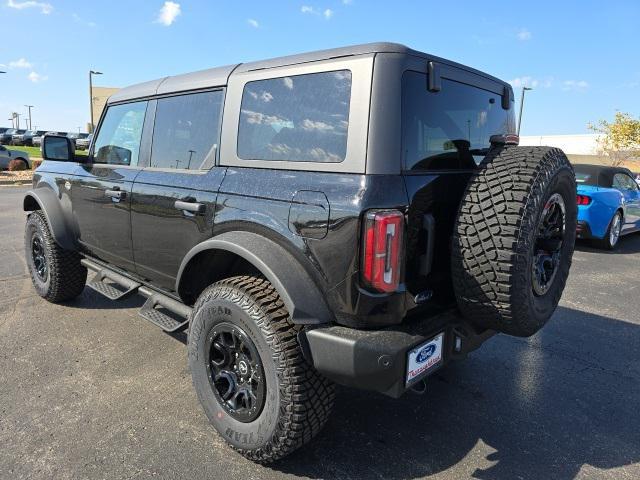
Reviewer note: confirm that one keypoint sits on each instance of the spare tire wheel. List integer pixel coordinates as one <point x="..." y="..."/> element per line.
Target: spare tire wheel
<point x="513" y="239"/>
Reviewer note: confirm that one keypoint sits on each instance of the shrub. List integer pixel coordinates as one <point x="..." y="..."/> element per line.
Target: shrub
<point x="35" y="164"/>
<point x="16" y="165"/>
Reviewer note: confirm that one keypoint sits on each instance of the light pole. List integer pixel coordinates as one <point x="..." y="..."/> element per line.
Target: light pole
<point x="524" y="89"/>
<point x="91" y="73"/>
<point x="29" y="107"/>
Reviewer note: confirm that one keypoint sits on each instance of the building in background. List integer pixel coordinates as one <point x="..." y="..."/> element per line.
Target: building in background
<point x="99" y="99"/>
<point x="579" y="148"/>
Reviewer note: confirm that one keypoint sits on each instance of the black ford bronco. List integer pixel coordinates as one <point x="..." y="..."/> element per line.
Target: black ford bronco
<point x="359" y="216"/>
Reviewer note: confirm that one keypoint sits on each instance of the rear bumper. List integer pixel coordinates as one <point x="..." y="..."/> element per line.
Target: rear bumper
<point x="377" y="359"/>
<point x="583" y="230"/>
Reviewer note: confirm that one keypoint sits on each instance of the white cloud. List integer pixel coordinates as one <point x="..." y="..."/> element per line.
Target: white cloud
<point x="288" y="82"/>
<point x="347" y="2"/>
<point x="253" y="23"/>
<point x="578" y="85"/>
<point x="168" y="13"/>
<point x="78" y="19"/>
<point x="523" y="35"/>
<point x="327" y="13"/>
<point x="526" y="81"/>
<point x="45" y="8"/>
<point x="36" y="77"/>
<point x="20" y="63"/>
<point x="309" y="125"/>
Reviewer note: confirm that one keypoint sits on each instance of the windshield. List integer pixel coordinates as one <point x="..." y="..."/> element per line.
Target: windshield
<point x="11" y="131"/>
<point x="449" y="129"/>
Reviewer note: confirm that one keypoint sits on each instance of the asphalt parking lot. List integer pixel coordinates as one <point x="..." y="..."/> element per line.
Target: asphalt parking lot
<point x="91" y="390"/>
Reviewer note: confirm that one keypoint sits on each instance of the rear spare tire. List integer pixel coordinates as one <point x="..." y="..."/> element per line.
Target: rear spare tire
<point x="514" y="237"/>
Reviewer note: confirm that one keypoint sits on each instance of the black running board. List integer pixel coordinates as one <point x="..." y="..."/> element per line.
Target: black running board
<point x="152" y="310"/>
<point x="100" y="284"/>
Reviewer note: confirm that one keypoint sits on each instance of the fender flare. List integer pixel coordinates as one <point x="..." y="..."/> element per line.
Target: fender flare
<point x="302" y="297"/>
<point x="50" y="205"/>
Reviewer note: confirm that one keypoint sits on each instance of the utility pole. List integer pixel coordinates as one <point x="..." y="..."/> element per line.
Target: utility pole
<point x="524" y="89"/>
<point x="91" y="73"/>
<point x="29" y="107"/>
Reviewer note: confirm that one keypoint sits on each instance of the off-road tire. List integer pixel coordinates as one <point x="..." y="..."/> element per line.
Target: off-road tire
<point x="605" y="242"/>
<point x="66" y="276"/>
<point x="298" y="399"/>
<point x="23" y="160"/>
<point x="495" y="235"/>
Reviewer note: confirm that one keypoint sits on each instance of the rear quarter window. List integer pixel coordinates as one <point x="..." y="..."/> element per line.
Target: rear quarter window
<point x="301" y="118"/>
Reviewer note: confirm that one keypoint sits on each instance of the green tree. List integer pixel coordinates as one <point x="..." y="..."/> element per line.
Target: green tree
<point x="620" y="139"/>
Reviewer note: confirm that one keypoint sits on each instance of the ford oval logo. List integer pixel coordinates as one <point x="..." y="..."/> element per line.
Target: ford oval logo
<point x="426" y="353"/>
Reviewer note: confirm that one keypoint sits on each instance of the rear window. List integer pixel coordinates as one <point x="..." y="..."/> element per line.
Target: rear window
<point x="449" y="129"/>
<point x="586" y="178"/>
<point x="301" y="118"/>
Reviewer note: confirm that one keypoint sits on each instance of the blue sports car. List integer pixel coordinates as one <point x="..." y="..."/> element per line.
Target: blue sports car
<point x="608" y="204"/>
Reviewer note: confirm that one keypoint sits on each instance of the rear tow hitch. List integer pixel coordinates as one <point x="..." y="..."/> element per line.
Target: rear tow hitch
<point x="419" y="388"/>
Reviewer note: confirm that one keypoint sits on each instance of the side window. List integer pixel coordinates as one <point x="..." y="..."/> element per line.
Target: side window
<point x="624" y="182"/>
<point x="186" y="131"/>
<point x="302" y="118"/>
<point x="118" y="141"/>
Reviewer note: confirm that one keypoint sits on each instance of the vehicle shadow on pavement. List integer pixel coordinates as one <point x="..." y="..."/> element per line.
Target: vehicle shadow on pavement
<point x="547" y="406"/>
<point x="629" y="244"/>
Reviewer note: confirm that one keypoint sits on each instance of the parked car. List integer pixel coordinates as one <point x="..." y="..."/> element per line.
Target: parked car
<point x="75" y="136"/>
<point x="6" y="137"/>
<point x="3" y="129"/>
<point x="295" y="242"/>
<point x="37" y="140"/>
<point x="608" y="204"/>
<point x="6" y="155"/>
<point x="84" y="141"/>
<point x="26" y="138"/>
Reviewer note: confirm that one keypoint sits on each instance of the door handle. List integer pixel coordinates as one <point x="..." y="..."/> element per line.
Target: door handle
<point x="192" y="207"/>
<point x="115" y="194"/>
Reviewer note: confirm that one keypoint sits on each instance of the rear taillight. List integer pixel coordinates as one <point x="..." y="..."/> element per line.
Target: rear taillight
<point x="382" y="249"/>
<point x="583" y="200"/>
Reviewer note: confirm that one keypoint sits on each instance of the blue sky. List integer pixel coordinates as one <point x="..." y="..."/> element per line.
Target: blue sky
<point x="581" y="57"/>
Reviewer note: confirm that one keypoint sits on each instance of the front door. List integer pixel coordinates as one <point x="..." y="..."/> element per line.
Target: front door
<point x="174" y="197"/>
<point x="629" y="189"/>
<point x="101" y="187"/>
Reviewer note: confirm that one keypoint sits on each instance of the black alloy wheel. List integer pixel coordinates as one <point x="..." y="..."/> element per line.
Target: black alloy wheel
<point x="548" y="247"/>
<point x="38" y="254"/>
<point x="236" y="374"/>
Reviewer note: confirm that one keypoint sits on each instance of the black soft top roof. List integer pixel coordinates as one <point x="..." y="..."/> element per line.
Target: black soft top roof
<point x="599" y="175"/>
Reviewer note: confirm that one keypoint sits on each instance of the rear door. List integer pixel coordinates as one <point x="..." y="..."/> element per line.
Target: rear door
<point x="447" y="122"/>
<point x="174" y="197"/>
<point x="101" y="187"/>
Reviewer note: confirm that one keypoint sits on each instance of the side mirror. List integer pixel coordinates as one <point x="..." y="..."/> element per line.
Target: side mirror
<point x="58" y="148"/>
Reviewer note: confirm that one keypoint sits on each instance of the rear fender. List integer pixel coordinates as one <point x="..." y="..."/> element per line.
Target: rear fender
<point x="302" y="297"/>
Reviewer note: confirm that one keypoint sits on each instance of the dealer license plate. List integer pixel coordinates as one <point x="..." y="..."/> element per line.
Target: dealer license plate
<point x="424" y="358"/>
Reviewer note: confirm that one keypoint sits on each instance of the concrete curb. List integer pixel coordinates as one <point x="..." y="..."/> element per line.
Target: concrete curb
<point x="17" y="183"/>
